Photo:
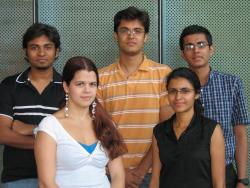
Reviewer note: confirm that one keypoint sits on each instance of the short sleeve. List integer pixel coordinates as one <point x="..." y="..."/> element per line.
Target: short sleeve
<point x="163" y="88"/>
<point x="6" y="104"/>
<point x="48" y="125"/>
<point x="240" y="112"/>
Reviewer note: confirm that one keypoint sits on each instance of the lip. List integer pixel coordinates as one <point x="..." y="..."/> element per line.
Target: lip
<point x="86" y="98"/>
<point x="131" y="43"/>
<point x="197" y="58"/>
<point x="42" y="60"/>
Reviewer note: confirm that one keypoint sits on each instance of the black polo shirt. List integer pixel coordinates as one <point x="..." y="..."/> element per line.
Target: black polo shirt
<point x="185" y="162"/>
<point x="26" y="104"/>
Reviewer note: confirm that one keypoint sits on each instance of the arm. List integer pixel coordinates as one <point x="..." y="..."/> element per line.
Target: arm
<point x="217" y="152"/>
<point x="241" y="152"/>
<point x="156" y="167"/>
<point x="117" y="173"/>
<point x="22" y="128"/>
<point x="12" y="138"/>
<point x="135" y="176"/>
<point x="166" y="112"/>
<point x="45" y="154"/>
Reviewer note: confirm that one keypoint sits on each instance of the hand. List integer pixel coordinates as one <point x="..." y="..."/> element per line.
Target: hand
<point x="132" y="178"/>
<point x="240" y="185"/>
<point x="21" y="128"/>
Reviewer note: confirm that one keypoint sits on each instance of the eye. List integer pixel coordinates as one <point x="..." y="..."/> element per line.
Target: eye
<point x="80" y="84"/>
<point x="189" y="46"/>
<point x="201" y="44"/>
<point x="93" y="84"/>
<point x="185" y="90"/>
<point x="33" y="47"/>
<point x="123" y="30"/>
<point x="138" y="31"/>
<point x="48" y="47"/>
<point x="172" y="91"/>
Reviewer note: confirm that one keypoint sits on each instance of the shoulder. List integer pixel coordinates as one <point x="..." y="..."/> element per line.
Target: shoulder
<point x="209" y="124"/>
<point x="225" y="76"/>
<point x="10" y="80"/>
<point x="158" y="67"/>
<point x="161" y="127"/>
<point x="107" y="69"/>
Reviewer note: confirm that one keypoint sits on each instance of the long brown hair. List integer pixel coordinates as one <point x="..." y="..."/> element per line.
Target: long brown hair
<point x="104" y="127"/>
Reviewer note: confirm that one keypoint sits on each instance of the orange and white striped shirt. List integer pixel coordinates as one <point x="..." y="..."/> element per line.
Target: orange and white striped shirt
<point x="134" y="104"/>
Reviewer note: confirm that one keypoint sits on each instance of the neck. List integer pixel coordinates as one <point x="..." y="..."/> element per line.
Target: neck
<point x="78" y="113"/>
<point x="203" y="74"/>
<point x="36" y="74"/>
<point x="130" y="64"/>
<point x="183" y="119"/>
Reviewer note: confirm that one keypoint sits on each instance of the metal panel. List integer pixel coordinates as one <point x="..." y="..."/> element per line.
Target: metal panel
<point x="227" y="20"/>
<point x="86" y="27"/>
<point x="15" y="18"/>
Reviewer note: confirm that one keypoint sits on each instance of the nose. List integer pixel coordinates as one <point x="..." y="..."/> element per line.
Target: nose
<point x="41" y="52"/>
<point x="87" y="88"/>
<point x="178" y="95"/>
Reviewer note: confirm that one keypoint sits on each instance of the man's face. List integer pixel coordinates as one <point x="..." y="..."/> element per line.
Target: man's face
<point x="196" y="51"/>
<point x="41" y="52"/>
<point x="131" y="37"/>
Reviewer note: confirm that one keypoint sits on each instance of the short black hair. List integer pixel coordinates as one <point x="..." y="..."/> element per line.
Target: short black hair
<point x="39" y="29"/>
<point x="195" y="29"/>
<point x="132" y="13"/>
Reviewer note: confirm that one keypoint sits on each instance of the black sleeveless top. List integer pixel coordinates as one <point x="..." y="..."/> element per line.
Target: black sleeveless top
<point x="186" y="162"/>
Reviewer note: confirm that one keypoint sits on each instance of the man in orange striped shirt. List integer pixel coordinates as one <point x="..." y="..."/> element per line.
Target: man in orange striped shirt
<point x="133" y="91"/>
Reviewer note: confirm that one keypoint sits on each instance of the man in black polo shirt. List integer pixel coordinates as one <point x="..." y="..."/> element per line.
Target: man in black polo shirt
<point x="31" y="95"/>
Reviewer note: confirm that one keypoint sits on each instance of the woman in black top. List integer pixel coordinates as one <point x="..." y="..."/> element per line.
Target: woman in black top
<point x="188" y="149"/>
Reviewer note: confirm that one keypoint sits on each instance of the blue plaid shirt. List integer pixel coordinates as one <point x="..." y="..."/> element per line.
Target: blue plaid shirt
<point x="224" y="101"/>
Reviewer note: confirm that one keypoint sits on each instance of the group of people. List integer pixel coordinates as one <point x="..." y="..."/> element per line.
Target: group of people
<point x="135" y="123"/>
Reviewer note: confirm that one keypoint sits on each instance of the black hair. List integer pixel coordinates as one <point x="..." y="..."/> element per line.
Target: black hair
<point x="132" y="13"/>
<point x="195" y="29"/>
<point x="193" y="79"/>
<point x="39" y="29"/>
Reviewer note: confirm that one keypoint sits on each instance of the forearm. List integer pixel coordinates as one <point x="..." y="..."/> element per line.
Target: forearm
<point x="44" y="184"/>
<point x="117" y="182"/>
<point x="23" y="128"/>
<point x="154" y="182"/>
<point x="11" y="138"/>
<point x="241" y="153"/>
<point x="145" y="163"/>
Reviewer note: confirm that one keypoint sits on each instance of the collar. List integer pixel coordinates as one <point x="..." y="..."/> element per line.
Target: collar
<point x="23" y="77"/>
<point x="169" y="127"/>
<point x="144" y="66"/>
<point x="210" y="77"/>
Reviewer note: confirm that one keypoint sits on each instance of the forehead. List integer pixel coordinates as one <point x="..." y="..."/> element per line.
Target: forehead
<point x="131" y="24"/>
<point x="41" y="40"/>
<point x="194" y="38"/>
<point x="179" y="82"/>
<point x="85" y="75"/>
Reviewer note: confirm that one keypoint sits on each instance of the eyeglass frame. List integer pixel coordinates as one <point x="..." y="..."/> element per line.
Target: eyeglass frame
<point x="182" y="91"/>
<point x="134" y="31"/>
<point x="199" y="45"/>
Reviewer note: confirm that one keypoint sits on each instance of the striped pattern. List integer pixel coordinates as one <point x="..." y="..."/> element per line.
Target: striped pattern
<point x="134" y="104"/>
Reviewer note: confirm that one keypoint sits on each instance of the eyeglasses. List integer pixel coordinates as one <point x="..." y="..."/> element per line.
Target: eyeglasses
<point x="199" y="45"/>
<point x="135" y="31"/>
<point x="182" y="91"/>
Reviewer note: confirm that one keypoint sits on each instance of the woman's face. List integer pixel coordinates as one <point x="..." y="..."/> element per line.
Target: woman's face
<point x="82" y="88"/>
<point x="181" y="95"/>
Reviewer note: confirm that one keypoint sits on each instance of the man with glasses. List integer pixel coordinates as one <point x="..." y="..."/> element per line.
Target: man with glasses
<point x="223" y="98"/>
<point x="133" y="91"/>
